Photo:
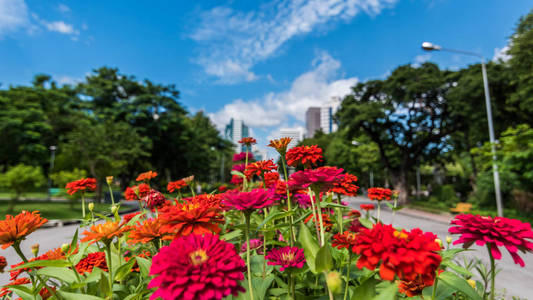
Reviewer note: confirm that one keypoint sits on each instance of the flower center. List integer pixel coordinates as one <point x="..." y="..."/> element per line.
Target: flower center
<point x="198" y="257"/>
<point x="401" y="235"/>
<point x="287" y="256"/>
<point x="190" y="206"/>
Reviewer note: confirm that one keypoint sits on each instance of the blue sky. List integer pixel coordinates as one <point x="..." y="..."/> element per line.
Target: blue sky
<point x="261" y="61"/>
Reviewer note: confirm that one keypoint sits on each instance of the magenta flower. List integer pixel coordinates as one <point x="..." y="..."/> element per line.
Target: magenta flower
<point x="238" y="168"/>
<point x="303" y="200"/>
<point x="286" y="257"/>
<point x="197" y="267"/>
<point x="513" y="234"/>
<point x="256" y="199"/>
<point x="154" y="199"/>
<point x="321" y="178"/>
<point x="255" y="244"/>
<point x="242" y="156"/>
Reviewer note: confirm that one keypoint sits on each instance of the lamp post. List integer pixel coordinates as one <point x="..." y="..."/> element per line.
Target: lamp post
<point x="432" y="47"/>
<point x="52" y="158"/>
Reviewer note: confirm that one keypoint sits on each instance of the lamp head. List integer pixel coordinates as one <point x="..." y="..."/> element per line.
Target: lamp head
<point x="430" y="46"/>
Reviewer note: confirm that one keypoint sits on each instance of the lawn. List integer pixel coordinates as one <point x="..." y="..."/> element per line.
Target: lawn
<point x="54" y="210"/>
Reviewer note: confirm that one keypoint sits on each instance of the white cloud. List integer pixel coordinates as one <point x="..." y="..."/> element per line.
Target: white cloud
<point x="501" y="54"/>
<point x="287" y="108"/>
<point x="234" y="41"/>
<point x="61" y="27"/>
<point x="13" y="16"/>
<point x="68" y="80"/>
<point x="420" y="59"/>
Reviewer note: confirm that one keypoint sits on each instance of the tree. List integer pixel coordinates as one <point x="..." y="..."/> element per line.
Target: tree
<point x="406" y="116"/>
<point x="21" y="179"/>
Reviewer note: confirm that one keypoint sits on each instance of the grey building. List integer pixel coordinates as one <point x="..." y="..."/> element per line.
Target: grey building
<point x="312" y="121"/>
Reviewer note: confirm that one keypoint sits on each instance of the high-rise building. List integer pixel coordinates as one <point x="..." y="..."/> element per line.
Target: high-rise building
<point x="295" y="133"/>
<point x="312" y="121"/>
<point x="235" y="131"/>
<point x="327" y="111"/>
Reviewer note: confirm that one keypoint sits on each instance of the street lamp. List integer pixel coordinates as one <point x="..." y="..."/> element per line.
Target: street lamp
<point x="432" y="47"/>
<point x="52" y="158"/>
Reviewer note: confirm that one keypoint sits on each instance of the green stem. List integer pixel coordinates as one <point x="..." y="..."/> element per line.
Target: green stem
<point x="394" y="209"/>
<point x="339" y="214"/>
<point x="322" y="234"/>
<point x="434" y="293"/>
<point x="110" y="267"/>
<point x="492" y="273"/>
<point x="291" y="230"/>
<point x="379" y="211"/>
<point x="111" y="194"/>
<point x="247" y="232"/>
<point x="289" y="287"/>
<point x="311" y="196"/>
<point x="83" y="205"/>
<point x="348" y="275"/>
<point x="327" y="288"/>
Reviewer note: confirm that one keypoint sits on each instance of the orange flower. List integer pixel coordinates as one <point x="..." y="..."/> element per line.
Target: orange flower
<point x="325" y="219"/>
<point x="176" y="185"/>
<point x="259" y="168"/>
<point x="146" y="176"/>
<point x="54" y="254"/>
<point x="197" y="215"/>
<point x="95" y="259"/>
<point x="344" y="240"/>
<point x="280" y="145"/>
<point x="135" y="268"/>
<point x="414" y="287"/>
<point x="145" y="232"/>
<point x="248" y="141"/>
<point x="5" y="290"/>
<point x="15" y="229"/>
<point x="105" y="232"/>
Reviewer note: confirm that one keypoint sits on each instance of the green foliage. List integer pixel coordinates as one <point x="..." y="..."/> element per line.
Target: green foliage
<point x="22" y="178"/>
<point x="61" y="178"/>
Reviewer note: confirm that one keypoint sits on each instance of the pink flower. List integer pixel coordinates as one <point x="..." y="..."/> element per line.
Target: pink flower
<point x="303" y="200"/>
<point x="321" y="178"/>
<point x="197" y="267"/>
<point x="154" y="200"/>
<point x="238" y="168"/>
<point x="255" y="244"/>
<point x="256" y="199"/>
<point x="286" y="257"/>
<point x="498" y="231"/>
<point x="242" y="156"/>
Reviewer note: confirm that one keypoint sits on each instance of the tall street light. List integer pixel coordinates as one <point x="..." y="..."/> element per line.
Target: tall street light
<point x="51" y="169"/>
<point x="432" y="47"/>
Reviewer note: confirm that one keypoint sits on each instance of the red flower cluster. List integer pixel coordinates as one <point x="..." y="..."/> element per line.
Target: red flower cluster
<point x="344" y="240"/>
<point x="379" y="194"/>
<point x="367" y="207"/>
<point x="248" y="141"/>
<point x="286" y="257"/>
<point x="83" y="185"/>
<point x="354" y="213"/>
<point x="197" y="267"/>
<point x="128" y="217"/>
<point x="95" y="259"/>
<point x="146" y="176"/>
<point x="5" y="290"/>
<point x="136" y="192"/>
<point x="271" y="179"/>
<point x="255" y="199"/>
<point x="154" y="200"/>
<point x="304" y="155"/>
<point x="413" y="287"/>
<point x="54" y="254"/>
<point x="222" y="188"/>
<point x="3" y="263"/>
<point x="176" y="185"/>
<point x="406" y="254"/>
<point x="513" y="234"/>
<point x="325" y="220"/>
<point x="322" y="178"/>
<point x="236" y="180"/>
<point x="345" y="185"/>
<point x="260" y="167"/>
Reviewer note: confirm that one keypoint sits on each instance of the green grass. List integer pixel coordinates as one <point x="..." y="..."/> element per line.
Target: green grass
<point x="54" y="210"/>
<point x="30" y="195"/>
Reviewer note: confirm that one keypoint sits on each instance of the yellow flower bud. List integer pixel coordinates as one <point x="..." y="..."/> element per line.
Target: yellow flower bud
<point x="65" y="247"/>
<point x="439" y="242"/>
<point x="91" y="206"/>
<point x="109" y="180"/>
<point x="114" y="209"/>
<point x="35" y="249"/>
<point x="448" y="239"/>
<point x="472" y="283"/>
<point x="333" y="279"/>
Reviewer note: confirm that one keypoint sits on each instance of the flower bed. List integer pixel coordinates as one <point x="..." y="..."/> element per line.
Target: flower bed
<point x="263" y="238"/>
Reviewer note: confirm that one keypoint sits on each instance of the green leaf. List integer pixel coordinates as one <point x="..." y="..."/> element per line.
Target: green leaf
<point x="22" y="291"/>
<point x="231" y="235"/>
<point x="366" y="222"/>
<point x="63" y="274"/>
<point x="261" y="286"/>
<point x="367" y="289"/>
<point x="457" y="268"/>
<point x="323" y="260"/>
<point x="388" y="293"/>
<point x="124" y="270"/>
<point x="331" y="204"/>
<point x="104" y="283"/>
<point x="75" y="259"/>
<point x="310" y="246"/>
<point x="144" y="265"/>
<point x="275" y="216"/>
<point x="459" y="284"/>
<point x="76" y="296"/>
<point x="238" y="173"/>
<point x="74" y="241"/>
<point x="44" y="263"/>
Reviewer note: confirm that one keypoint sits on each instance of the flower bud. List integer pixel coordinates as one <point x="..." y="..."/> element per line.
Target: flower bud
<point x="438" y="241"/>
<point x="333" y="279"/>
<point x="114" y="209"/>
<point x="65" y="247"/>
<point x="109" y="180"/>
<point x="472" y="283"/>
<point x="91" y="206"/>
<point x="448" y="239"/>
<point x="35" y="249"/>
<point x="3" y="263"/>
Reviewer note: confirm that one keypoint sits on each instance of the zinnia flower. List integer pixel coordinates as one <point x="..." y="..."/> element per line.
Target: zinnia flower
<point x="259" y="168"/>
<point x="239" y="168"/>
<point x="286" y="257"/>
<point x="5" y="290"/>
<point x="176" y="185"/>
<point x="513" y="234"/>
<point x="325" y="220"/>
<point x="355" y="225"/>
<point x="255" y="199"/>
<point x="195" y="216"/>
<point x="379" y="194"/>
<point x="136" y="192"/>
<point x="280" y="145"/>
<point x="303" y="200"/>
<point x="127" y="218"/>
<point x="146" y="231"/>
<point x="15" y="229"/>
<point x="236" y="180"/>
<point x="54" y="254"/>
<point x="242" y="156"/>
<point x="95" y="259"/>
<point x="366" y="207"/>
<point x="154" y="200"/>
<point x="146" y="176"/>
<point x="354" y="213"/>
<point x="345" y="240"/>
<point x="3" y="263"/>
<point x="222" y="188"/>
<point x="271" y="179"/>
<point x="83" y="185"/>
<point x="412" y="288"/>
<point x="304" y="155"/>
<point x="345" y="185"/>
<point x="105" y="232"/>
<point x="321" y="178"/>
<point x="255" y="244"/>
<point x="248" y="141"/>
<point x="197" y="267"/>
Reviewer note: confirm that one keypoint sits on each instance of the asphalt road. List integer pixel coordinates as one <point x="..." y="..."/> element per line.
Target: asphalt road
<point x="512" y="279"/>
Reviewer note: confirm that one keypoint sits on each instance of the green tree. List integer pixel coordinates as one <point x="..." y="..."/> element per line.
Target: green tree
<point x="21" y="179"/>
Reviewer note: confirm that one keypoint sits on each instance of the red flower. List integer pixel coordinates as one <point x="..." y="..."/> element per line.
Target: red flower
<point x="83" y="185"/>
<point x="259" y="168"/>
<point x="255" y="199"/>
<point x="286" y="257"/>
<point x="355" y="225"/>
<point x="238" y="168"/>
<point x="15" y="229"/>
<point x="128" y="217"/>
<point x="412" y="288"/>
<point x="344" y="240"/>
<point x="3" y="263"/>
<point x="325" y="220"/>
<point x="379" y="194"/>
<point x="304" y="155"/>
<point x="242" y="156"/>
<point x="197" y="267"/>
<point x="354" y="213"/>
<point x="271" y="179"/>
<point x="95" y="259"/>
<point x="54" y="254"/>
<point x="280" y="144"/>
<point x="5" y="290"/>
<point x="154" y="200"/>
<point x="176" y="185"/>
<point x="367" y="207"/>
<point x="222" y="188"/>
<point x="146" y="176"/>
<point x="513" y="234"/>
<point x="195" y="216"/>
<point x="322" y="178"/>
<point x="136" y="192"/>
<point x="248" y="141"/>
<point x="346" y="185"/>
<point x="236" y="180"/>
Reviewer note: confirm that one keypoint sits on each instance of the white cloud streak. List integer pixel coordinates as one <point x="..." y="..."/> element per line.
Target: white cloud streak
<point x="13" y="16"/>
<point x="234" y="41"/>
